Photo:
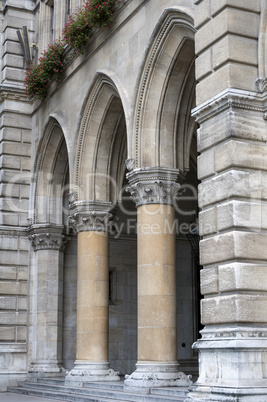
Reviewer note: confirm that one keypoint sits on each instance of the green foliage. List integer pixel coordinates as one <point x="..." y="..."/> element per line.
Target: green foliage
<point x="76" y="33"/>
<point x="49" y="69"/>
<point x="79" y="28"/>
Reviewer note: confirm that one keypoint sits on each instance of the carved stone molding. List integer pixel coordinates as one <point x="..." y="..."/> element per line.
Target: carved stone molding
<point x="47" y="237"/>
<point x="230" y="99"/>
<point x="152" y="375"/>
<point x="262" y="84"/>
<point x="154" y="185"/>
<point x="84" y="371"/>
<point x="91" y="216"/>
<point x="46" y="368"/>
<point x="11" y="94"/>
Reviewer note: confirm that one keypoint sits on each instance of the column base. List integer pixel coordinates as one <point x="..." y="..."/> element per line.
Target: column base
<point x="46" y="369"/>
<point x="150" y="375"/>
<point x="84" y="371"/>
<point x="199" y="393"/>
<point x="232" y="365"/>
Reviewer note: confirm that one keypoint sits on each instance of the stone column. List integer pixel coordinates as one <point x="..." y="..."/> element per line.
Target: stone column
<point x="153" y="190"/>
<point x="91" y="221"/>
<point x="46" y="299"/>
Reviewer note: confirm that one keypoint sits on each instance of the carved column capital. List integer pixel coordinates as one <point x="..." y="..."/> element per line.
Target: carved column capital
<point x="47" y="237"/>
<point x="91" y="216"/>
<point x="154" y="185"/>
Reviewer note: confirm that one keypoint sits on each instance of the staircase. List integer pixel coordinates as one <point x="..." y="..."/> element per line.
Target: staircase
<point x="55" y="388"/>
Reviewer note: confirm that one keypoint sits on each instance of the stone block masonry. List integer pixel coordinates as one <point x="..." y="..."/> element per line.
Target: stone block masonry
<point x="15" y="166"/>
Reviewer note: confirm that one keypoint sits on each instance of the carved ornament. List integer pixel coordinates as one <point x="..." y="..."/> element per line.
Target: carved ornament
<point x="91" y="216"/>
<point x="44" y="237"/>
<point x="154" y="185"/>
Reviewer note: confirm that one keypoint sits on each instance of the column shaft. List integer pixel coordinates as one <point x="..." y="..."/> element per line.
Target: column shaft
<point x="156" y="284"/>
<point x="92" y="297"/>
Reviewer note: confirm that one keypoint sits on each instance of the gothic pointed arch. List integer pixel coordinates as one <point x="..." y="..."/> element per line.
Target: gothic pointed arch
<point x="163" y="126"/>
<point x="51" y="176"/>
<point x="102" y="143"/>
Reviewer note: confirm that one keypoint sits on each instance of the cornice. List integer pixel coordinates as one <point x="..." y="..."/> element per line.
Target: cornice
<point x="11" y="93"/>
<point x="231" y="99"/>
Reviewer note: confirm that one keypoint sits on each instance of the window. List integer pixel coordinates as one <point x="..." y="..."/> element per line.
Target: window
<point x="67" y="9"/>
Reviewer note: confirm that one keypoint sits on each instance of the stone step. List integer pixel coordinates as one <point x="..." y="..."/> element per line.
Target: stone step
<point x="84" y="391"/>
<point x="40" y="393"/>
<point x="54" y="380"/>
<point x="115" y="385"/>
<point x="56" y="389"/>
<point x="170" y="391"/>
<point x="110" y="385"/>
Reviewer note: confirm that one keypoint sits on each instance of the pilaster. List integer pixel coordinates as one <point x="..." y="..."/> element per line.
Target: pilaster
<point x="231" y="112"/>
<point x="226" y="46"/>
<point x="232" y="166"/>
<point x="15" y="166"/>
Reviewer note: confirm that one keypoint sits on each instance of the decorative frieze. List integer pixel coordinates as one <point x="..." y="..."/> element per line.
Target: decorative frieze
<point x="91" y="216"/>
<point x="154" y="185"/>
<point x="47" y="237"/>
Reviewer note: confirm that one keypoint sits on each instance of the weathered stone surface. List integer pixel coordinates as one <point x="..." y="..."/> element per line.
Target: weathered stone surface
<point x="130" y="97"/>
<point x="234" y="309"/>
<point x="218" y="5"/>
<point x="242" y="276"/>
<point x="233" y="245"/>
<point x="209" y="281"/>
<point x="249" y="185"/>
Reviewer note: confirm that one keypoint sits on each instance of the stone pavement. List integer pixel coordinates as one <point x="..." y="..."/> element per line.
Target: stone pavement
<point x="10" y="397"/>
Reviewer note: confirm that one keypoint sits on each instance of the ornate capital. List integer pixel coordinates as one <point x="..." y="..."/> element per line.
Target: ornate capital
<point x="154" y="185"/>
<point x="91" y="216"/>
<point x="47" y="237"/>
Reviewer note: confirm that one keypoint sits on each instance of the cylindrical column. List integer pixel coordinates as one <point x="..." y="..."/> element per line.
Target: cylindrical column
<point x="92" y="297"/>
<point x="157" y="340"/>
<point x="91" y="221"/>
<point x="153" y="190"/>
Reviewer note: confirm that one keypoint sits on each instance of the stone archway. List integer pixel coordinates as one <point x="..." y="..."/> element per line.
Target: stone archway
<point x="100" y="170"/>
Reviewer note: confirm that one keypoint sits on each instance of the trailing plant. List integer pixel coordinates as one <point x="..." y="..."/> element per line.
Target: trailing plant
<point x="79" y="28"/>
<point x="76" y="33"/>
<point x="49" y="69"/>
<point x="101" y="12"/>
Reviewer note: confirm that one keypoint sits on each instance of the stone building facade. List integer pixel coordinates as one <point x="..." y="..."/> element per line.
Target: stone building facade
<point x="159" y="128"/>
